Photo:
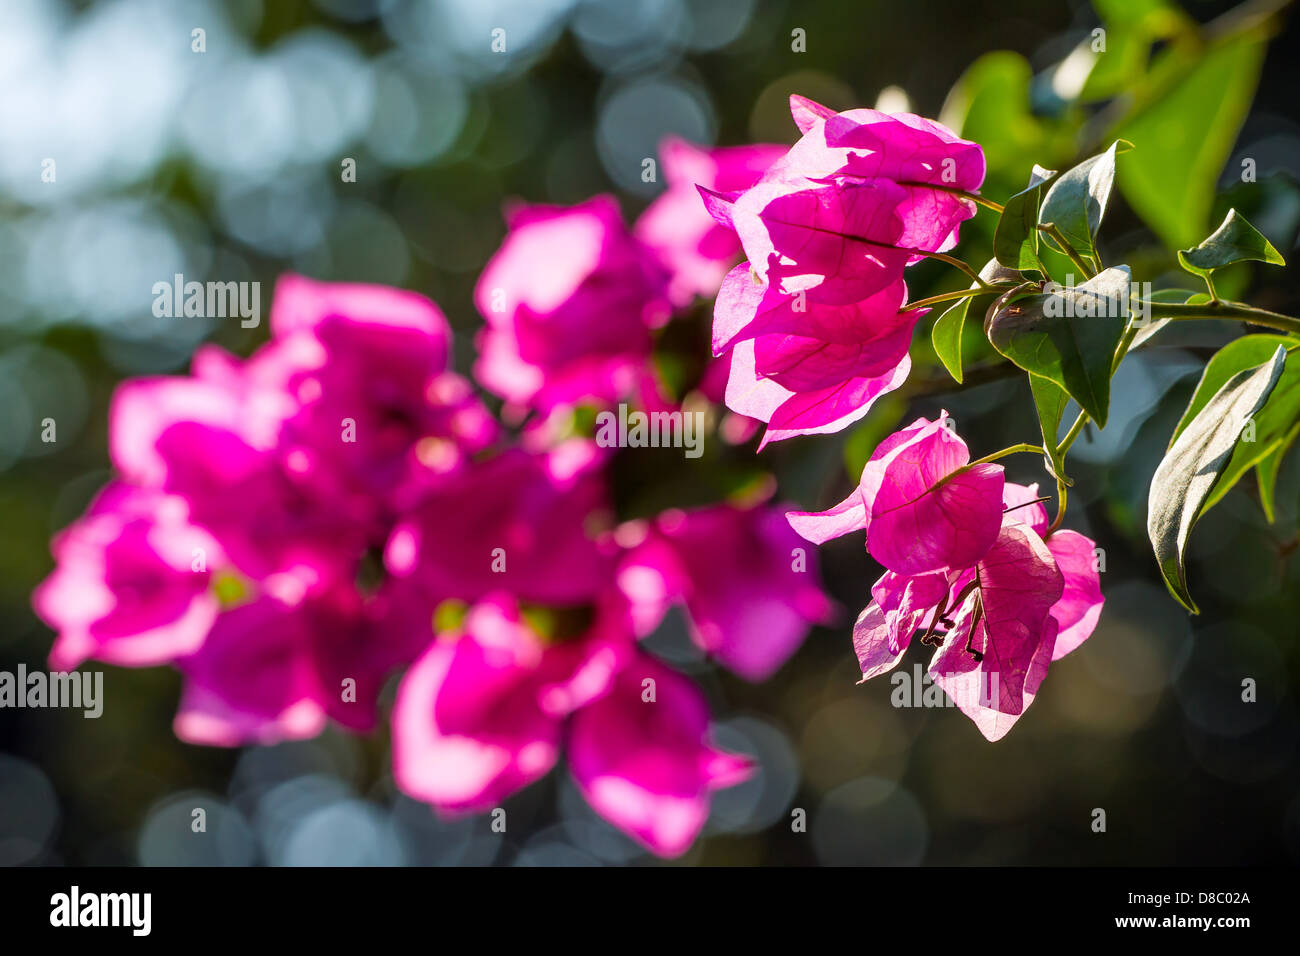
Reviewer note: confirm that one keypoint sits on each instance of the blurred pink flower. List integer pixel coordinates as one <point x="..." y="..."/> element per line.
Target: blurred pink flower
<point x="131" y="583"/>
<point x="379" y="418"/>
<point x="696" y="249"/>
<point x="570" y="300"/>
<point x="481" y="713"/>
<point x="274" y="669"/>
<point x="750" y="587"/>
<point x="641" y="756"/>
<point x="535" y="525"/>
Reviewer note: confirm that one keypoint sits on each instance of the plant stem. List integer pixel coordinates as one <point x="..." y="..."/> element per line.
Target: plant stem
<point x="1073" y="433"/>
<point x="1060" y="507"/>
<point x="976" y="198"/>
<point x="956" y="263"/>
<point x="1051" y="230"/>
<point x="951" y="297"/>
<point x="1012" y="450"/>
<point x="1225" y="310"/>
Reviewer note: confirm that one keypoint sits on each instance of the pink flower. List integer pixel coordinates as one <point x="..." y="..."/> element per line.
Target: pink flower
<point x="212" y="441"/>
<point x="995" y="656"/>
<point x="570" y="299"/>
<point x="929" y="509"/>
<point x="131" y="585"/>
<point x="750" y="589"/>
<point x="816" y="319"/>
<point x="531" y="524"/>
<point x="968" y="564"/>
<point x="379" y="417"/>
<point x="696" y="249"/>
<point x="641" y="756"/>
<point x="481" y="713"/>
<point x="854" y="201"/>
<point x="806" y="367"/>
<point x="275" y="669"/>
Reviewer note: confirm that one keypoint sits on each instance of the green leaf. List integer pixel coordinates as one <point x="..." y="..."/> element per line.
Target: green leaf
<point x="1234" y="241"/>
<point x="945" y="336"/>
<point x="1077" y="200"/>
<point x="1271" y="424"/>
<point x="1266" y="472"/>
<point x="1015" y="242"/>
<point x="1050" y="401"/>
<point x="946" y="333"/>
<point x="1069" y="337"/>
<point x="1184" y="127"/>
<point x="1191" y="468"/>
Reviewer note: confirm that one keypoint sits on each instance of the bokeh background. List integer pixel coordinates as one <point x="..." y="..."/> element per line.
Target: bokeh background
<point x="226" y="165"/>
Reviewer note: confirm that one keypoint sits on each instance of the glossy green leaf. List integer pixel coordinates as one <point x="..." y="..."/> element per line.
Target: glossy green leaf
<point x="1068" y="336"/>
<point x="1077" y="199"/>
<point x="1187" y="475"/>
<point x="946" y="333"/>
<point x="1015" y="242"/>
<point x="1236" y="240"/>
<point x="1270" y="425"/>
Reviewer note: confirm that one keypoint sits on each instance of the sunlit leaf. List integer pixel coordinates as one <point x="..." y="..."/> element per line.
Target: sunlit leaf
<point x="1194" y="464"/>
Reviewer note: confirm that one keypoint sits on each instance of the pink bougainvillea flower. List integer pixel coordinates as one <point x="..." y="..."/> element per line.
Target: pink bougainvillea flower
<point x="696" y="249"/>
<point x="1075" y="554"/>
<point x="212" y="442"/>
<point x="131" y="585"/>
<point x="750" y="590"/>
<point x="535" y="525"/>
<point x="815" y="412"/>
<point x="996" y="655"/>
<point x="829" y="229"/>
<point x="901" y="605"/>
<point x="815" y="367"/>
<point x="481" y="713"/>
<point x="858" y="198"/>
<point x="930" y="509"/>
<point x="275" y="670"/>
<point x="996" y="622"/>
<point x="379" y="417"/>
<point x="1079" y="608"/>
<point x="570" y="299"/>
<point x="265" y="520"/>
<point x="641" y="756"/>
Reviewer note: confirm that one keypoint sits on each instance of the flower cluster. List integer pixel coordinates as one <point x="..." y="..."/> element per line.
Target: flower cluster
<point x="971" y="562"/>
<point x="291" y="530"/>
<point x="816" y="320"/>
